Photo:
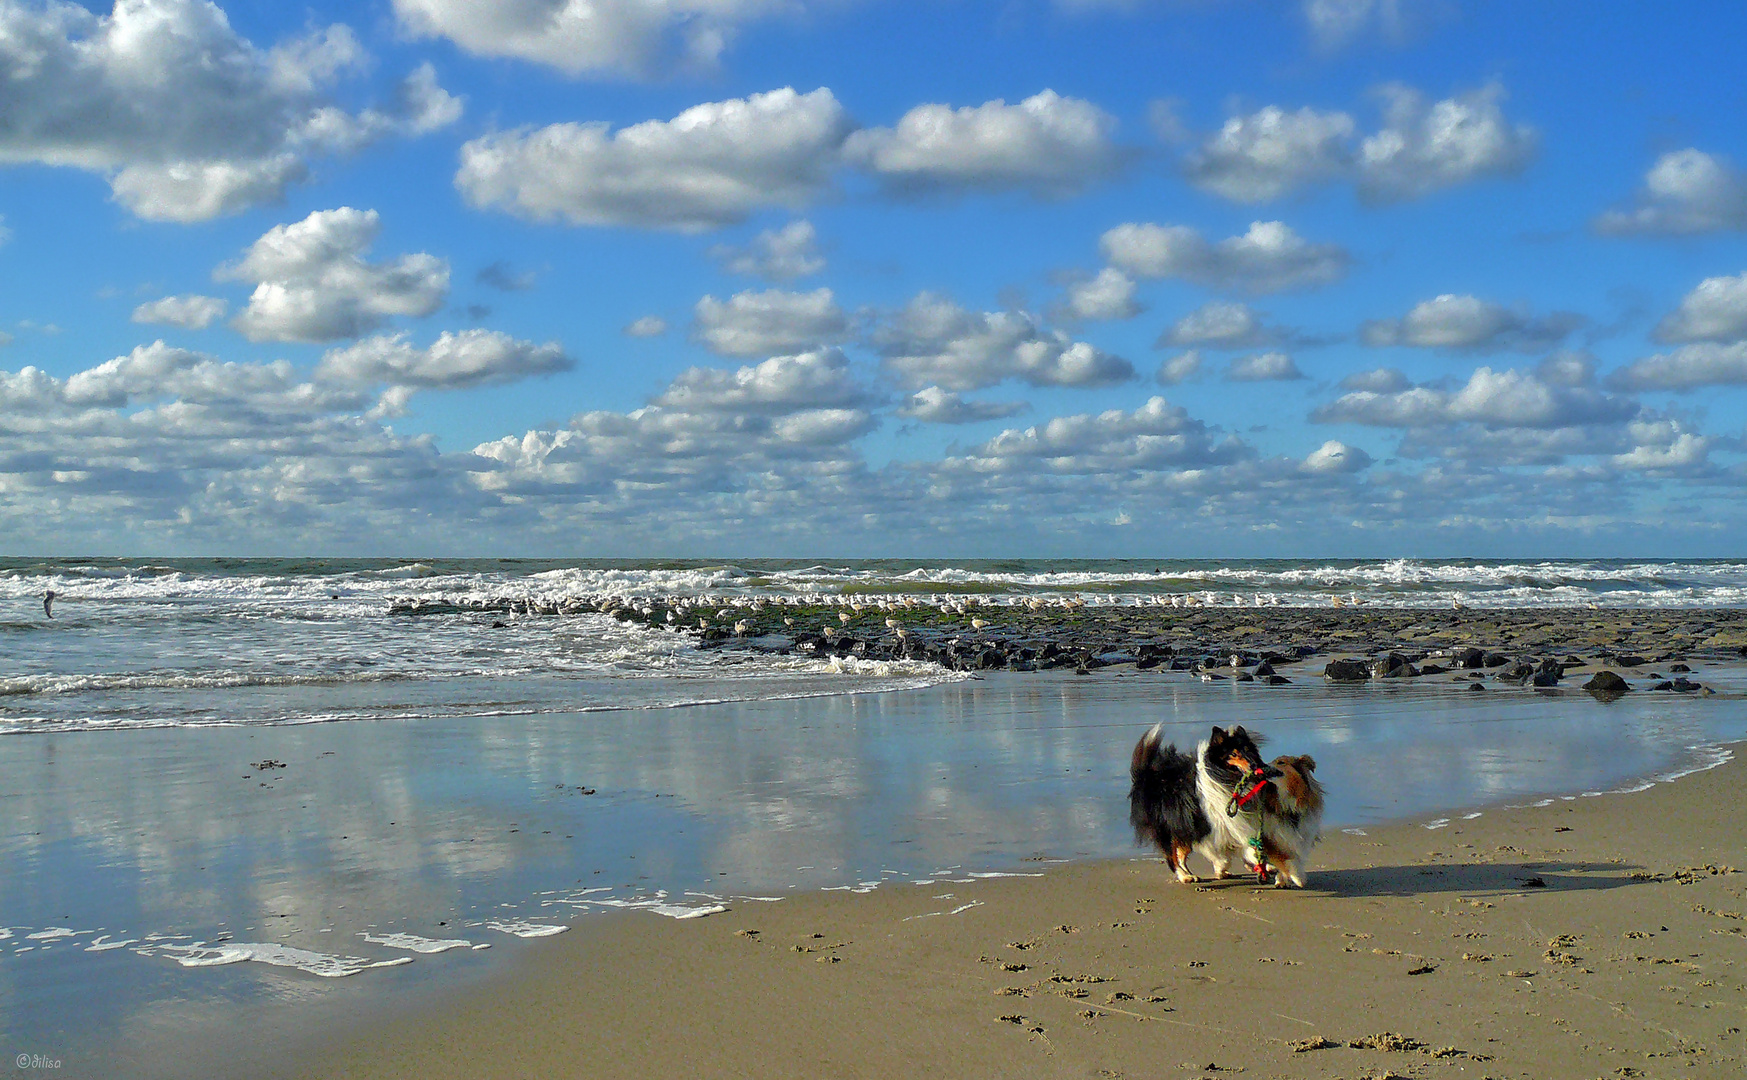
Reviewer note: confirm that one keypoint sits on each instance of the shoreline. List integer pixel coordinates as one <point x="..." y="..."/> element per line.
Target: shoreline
<point x="980" y="977"/>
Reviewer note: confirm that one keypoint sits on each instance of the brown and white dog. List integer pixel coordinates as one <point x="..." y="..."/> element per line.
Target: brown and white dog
<point x="1181" y="804"/>
<point x="1291" y="818"/>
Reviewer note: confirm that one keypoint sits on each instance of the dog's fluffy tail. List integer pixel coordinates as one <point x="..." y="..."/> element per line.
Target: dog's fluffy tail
<point x="1161" y="800"/>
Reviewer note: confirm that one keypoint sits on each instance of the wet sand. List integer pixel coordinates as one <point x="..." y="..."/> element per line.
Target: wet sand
<point x="1590" y="937"/>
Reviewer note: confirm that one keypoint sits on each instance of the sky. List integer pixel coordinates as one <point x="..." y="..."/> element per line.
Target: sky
<point x="873" y="278"/>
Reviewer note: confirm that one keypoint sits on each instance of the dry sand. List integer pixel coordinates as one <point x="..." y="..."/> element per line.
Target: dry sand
<point x="1601" y="937"/>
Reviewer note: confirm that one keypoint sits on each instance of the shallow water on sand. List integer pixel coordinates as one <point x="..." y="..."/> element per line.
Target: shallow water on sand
<point x="193" y="847"/>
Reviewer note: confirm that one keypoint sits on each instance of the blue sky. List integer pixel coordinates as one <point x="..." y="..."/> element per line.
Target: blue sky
<point x="852" y="277"/>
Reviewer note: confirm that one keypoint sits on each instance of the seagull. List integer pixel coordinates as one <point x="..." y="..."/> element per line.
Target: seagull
<point x="844" y="617"/>
<point x="48" y="603"/>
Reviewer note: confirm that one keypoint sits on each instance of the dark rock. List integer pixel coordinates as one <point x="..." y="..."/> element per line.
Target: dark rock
<point x="1311" y="650"/>
<point x="1277" y="680"/>
<point x="1520" y="673"/>
<point x="1630" y="661"/>
<point x="1548" y="666"/>
<point x="1607" y="686"/>
<point x="1494" y="659"/>
<point x="1147" y="663"/>
<point x="1243" y="676"/>
<point x="1680" y="669"/>
<point x="1471" y="658"/>
<point x="1180" y="664"/>
<point x="1663" y="686"/>
<point x="1347" y="671"/>
<point x="1684" y="686"/>
<point x="1401" y="671"/>
<point x="1432" y="669"/>
<point x="991" y="658"/>
<point x="1546" y="678"/>
<point x="1264" y="669"/>
<point x="1476" y="686"/>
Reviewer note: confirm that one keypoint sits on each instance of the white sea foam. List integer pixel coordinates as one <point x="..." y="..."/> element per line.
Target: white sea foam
<point x="415" y="943"/>
<point x="326" y="965"/>
<point x="102" y="943"/>
<point x="523" y="929"/>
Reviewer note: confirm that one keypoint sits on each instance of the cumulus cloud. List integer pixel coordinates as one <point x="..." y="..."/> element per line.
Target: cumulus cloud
<point x="189" y="312"/>
<point x="1271" y="152"/>
<point x="640" y="38"/>
<point x="1685" y="192"/>
<point x="1108" y="295"/>
<point x="1377" y="381"/>
<point x="1046" y="144"/>
<point x="1419" y="149"/>
<point x="1452" y="321"/>
<point x="778" y="255"/>
<point x="932" y="405"/>
<point x="1715" y="311"/>
<point x="1269" y="258"/>
<point x="1222" y="325"/>
<point x="1422" y="148"/>
<point x="1263" y="367"/>
<point x="1505" y="399"/>
<point x="933" y="341"/>
<point x="647" y="326"/>
<point x="1178" y="369"/>
<point x="712" y="165"/>
<point x="1158" y="435"/>
<point x="761" y="323"/>
<point x="312" y="282"/>
<point x="456" y="359"/>
<point x="184" y="118"/>
<point x="1335" y="457"/>
<point x="1686" y="368"/>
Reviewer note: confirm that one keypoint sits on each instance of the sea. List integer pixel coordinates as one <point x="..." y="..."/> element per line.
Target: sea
<point x="256" y="794"/>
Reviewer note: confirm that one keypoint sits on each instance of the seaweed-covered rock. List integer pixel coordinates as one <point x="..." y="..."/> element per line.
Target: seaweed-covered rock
<point x="1607" y="686"/>
<point x="1346" y="671"/>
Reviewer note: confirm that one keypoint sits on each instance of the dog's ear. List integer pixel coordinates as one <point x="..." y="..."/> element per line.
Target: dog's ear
<point x="1237" y="732"/>
<point x="1307" y="763"/>
<point x="1218" y="733"/>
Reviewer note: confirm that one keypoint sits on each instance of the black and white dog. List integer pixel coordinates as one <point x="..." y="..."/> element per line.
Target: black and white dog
<point x="1180" y="804"/>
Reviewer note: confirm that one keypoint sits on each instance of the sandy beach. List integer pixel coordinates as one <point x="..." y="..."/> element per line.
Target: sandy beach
<point x="1589" y="937"/>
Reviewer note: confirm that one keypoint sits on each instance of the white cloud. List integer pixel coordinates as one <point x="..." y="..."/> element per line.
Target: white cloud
<point x="1686" y="368"/>
<point x="312" y="282"/>
<point x="1158" y="435"/>
<point x="711" y="165"/>
<point x="1685" y="192"/>
<point x="809" y="381"/>
<point x="1715" y="311"/>
<point x="933" y="341"/>
<point x="778" y="255"/>
<point x="1334" y="23"/>
<point x="1223" y="326"/>
<point x="1452" y="321"/>
<point x="501" y="276"/>
<point x="932" y="405"/>
<point x="1046" y="144"/>
<point x="456" y="359"/>
<point x="647" y="326"/>
<point x="1505" y="399"/>
<point x="1178" y="369"/>
<point x="1420" y="148"/>
<point x="1377" y="381"/>
<point x="1109" y="295"/>
<point x="1335" y="457"/>
<point x="189" y="312"/>
<point x="762" y="323"/>
<point x="1270" y="257"/>
<point x="1664" y="448"/>
<point x="641" y="38"/>
<point x="1567" y="368"/>
<point x="1271" y="152"/>
<point x="186" y="119"/>
<point x="1263" y="367"/>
